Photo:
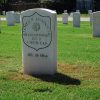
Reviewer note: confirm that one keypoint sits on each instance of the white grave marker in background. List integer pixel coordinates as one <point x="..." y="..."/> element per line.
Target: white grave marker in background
<point x="17" y="17"/>
<point x="39" y="40"/>
<point x="96" y="24"/>
<point x="90" y="15"/>
<point x="89" y="12"/>
<point x="76" y="19"/>
<point x="91" y="18"/>
<point x="10" y="18"/>
<point x="77" y="10"/>
<point x="4" y="12"/>
<point x="65" y="18"/>
<point x="65" y="11"/>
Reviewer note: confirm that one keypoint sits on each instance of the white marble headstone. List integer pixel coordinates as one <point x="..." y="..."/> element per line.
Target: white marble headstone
<point x="10" y="18"/>
<point x="96" y="24"/>
<point x="65" y="18"/>
<point x="91" y="18"/>
<point x="76" y="19"/>
<point x="39" y="40"/>
<point x="3" y="12"/>
<point x="71" y="14"/>
<point x="89" y="12"/>
<point x="17" y="17"/>
<point x="77" y="10"/>
<point x="65" y="11"/>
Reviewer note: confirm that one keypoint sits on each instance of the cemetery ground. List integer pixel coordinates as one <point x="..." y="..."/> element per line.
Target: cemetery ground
<point x="78" y="74"/>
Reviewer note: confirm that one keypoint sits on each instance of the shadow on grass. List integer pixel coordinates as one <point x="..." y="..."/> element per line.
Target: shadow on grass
<point x="59" y="79"/>
<point x="43" y="90"/>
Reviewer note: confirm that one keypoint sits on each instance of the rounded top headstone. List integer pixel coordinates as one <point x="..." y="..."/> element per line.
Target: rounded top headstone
<point x="39" y="41"/>
<point x="89" y="11"/>
<point x="38" y="10"/>
<point x="65" y="11"/>
<point x="77" y="10"/>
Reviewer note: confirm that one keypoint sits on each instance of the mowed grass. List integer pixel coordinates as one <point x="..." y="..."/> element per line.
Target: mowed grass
<point x="78" y="74"/>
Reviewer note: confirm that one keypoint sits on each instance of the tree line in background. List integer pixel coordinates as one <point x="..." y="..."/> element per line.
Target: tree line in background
<point x="58" y="5"/>
<point x="54" y="1"/>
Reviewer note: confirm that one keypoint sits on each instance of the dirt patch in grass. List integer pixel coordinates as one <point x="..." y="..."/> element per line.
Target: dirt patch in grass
<point x="66" y="71"/>
<point x="83" y="73"/>
<point x="66" y="68"/>
<point x="5" y="60"/>
<point x="19" y="76"/>
<point x="58" y="78"/>
<point x="2" y="61"/>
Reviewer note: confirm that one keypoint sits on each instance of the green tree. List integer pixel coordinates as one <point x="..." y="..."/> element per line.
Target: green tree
<point x="3" y="1"/>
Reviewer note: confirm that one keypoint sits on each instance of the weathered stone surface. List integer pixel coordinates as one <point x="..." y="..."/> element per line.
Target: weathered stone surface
<point x="76" y="19"/>
<point x="65" y="18"/>
<point x="96" y="24"/>
<point x="17" y="17"/>
<point x="39" y="40"/>
<point x="65" y="11"/>
<point x="10" y="18"/>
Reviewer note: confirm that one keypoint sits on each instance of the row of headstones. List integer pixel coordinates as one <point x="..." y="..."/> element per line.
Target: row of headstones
<point x="12" y="18"/>
<point x="94" y="21"/>
<point x="76" y="17"/>
<point x="39" y="40"/>
<point x="39" y="36"/>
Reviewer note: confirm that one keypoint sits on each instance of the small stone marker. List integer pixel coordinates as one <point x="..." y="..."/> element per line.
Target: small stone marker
<point x="39" y="39"/>
<point x="71" y="14"/>
<point x="10" y="18"/>
<point x="90" y="15"/>
<point x="96" y="24"/>
<point x="76" y="19"/>
<point x="89" y="12"/>
<point x="17" y="17"/>
<point x="65" y="18"/>
<point x="65" y="11"/>
<point x="77" y="10"/>
<point x="91" y="18"/>
<point x="3" y="12"/>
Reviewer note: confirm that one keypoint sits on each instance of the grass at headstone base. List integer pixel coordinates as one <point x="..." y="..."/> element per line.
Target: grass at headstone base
<point x="78" y="74"/>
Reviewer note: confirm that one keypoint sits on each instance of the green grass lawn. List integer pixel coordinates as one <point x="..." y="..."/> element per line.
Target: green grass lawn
<point x="78" y="76"/>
